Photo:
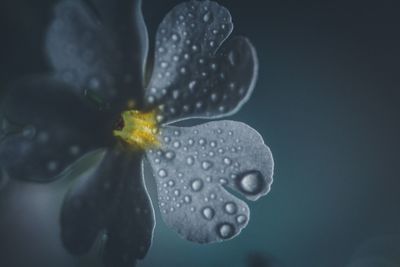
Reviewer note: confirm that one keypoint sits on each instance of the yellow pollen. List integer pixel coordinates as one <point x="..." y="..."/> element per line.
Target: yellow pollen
<point x="140" y="129"/>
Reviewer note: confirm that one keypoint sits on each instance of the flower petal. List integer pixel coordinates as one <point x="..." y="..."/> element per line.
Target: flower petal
<point x="100" y="55"/>
<point x="194" y="168"/>
<point x="130" y="234"/>
<point x="98" y="200"/>
<point x="194" y="76"/>
<point x="44" y="128"/>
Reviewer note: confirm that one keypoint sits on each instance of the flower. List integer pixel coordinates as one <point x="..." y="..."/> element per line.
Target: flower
<point x="95" y="100"/>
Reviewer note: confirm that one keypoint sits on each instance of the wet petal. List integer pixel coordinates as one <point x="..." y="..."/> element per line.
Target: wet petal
<point x="194" y="168"/>
<point x="110" y="198"/>
<point x="130" y="234"/>
<point x="194" y="76"/>
<point x="100" y="55"/>
<point x="44" y="128"/>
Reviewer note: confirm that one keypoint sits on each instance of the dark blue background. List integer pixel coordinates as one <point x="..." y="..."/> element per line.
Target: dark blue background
<point x="327" y="103"/>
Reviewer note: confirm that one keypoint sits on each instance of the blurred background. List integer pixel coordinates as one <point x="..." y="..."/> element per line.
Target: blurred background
<point x="327" y="102"/>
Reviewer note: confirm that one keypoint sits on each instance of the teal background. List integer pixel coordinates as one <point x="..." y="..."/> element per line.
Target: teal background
<point x="326" y="102"/>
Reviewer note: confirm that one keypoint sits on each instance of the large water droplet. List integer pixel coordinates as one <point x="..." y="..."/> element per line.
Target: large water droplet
<point x="251" y="183"/>
<point x="208" y="213"/>
<point x="196" y="185"/>
<point x="230" y="208"/>
<point x="226" y="230"/>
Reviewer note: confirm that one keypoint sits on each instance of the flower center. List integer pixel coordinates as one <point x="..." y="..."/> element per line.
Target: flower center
<point x="138" y="129"/>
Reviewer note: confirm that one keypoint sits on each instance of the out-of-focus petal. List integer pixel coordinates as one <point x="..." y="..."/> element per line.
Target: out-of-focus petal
<point x="131" y="231"/>
<point x="44" y="128"/>
<point x="194" y="75"/>
<point x="99" y="47"/>
<point x="194" y="168"/>
<point x="91" y="203"/>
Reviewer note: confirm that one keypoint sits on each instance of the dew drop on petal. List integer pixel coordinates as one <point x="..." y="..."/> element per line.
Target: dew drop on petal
<point x="196" y="185"/>
<point x="190" y="160"/>
<point x="251" y="182"/>
<point x="162" y="173"/>
<point x="227" y="161"/>
<point x="241" y="219"/>
<point x="170" y="155"/>
<point x="187" y="199"/>
<point x="230" y="208"/>
<point x="226" y="230"/>
<point x="206" y="165"/>
<point x="208" y="213"/>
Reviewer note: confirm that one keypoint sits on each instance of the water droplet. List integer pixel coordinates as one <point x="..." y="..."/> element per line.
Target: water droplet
<point x="177" y="144"/>
<point x="29" y="131"/>
<point x="52" y="166"/>
<point x="187" y="199"/>
<point x="226" y="230"/>
<point x="207" y="17"/>
<point x="223" y="181"/>
<point x="208" y="213"/>
<point x="192" y="84"/>
<point x="74" y="150"/>
<point x="195" y="48"/>
<point x="164" y="64"/>
<point x="183" y="70"/>
<point x="251" y="183"/>
<point x="157" y="160"/>
<point x="230" y="208"/>
<point x="190" y="160"/>
<point x="151" y="99"/>
<point x="171" y="183"/>
<point x="170" y="155"/>
<point x="206" y="165"/>
<point x="175" y="37"/>
<point x="227" y="161"/>
<point x="43" y="137"/>
<point x="213" y="144"/>
<point x="191" y="142"/>
<point x="167" y="139"/>
<point x="196" y="185"/>
<point x="177" y="192"/>
<point x="241" y="219"/>
<point x="162" y="173"/>
<point x="202" y="141"/>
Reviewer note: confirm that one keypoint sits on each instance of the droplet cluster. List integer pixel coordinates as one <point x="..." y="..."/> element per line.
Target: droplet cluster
<point x="191" y="177"/>
<point x="192" y="76"/>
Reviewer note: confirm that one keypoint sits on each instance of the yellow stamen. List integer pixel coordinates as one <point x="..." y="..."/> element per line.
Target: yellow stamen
<point x="140" y="129"/>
